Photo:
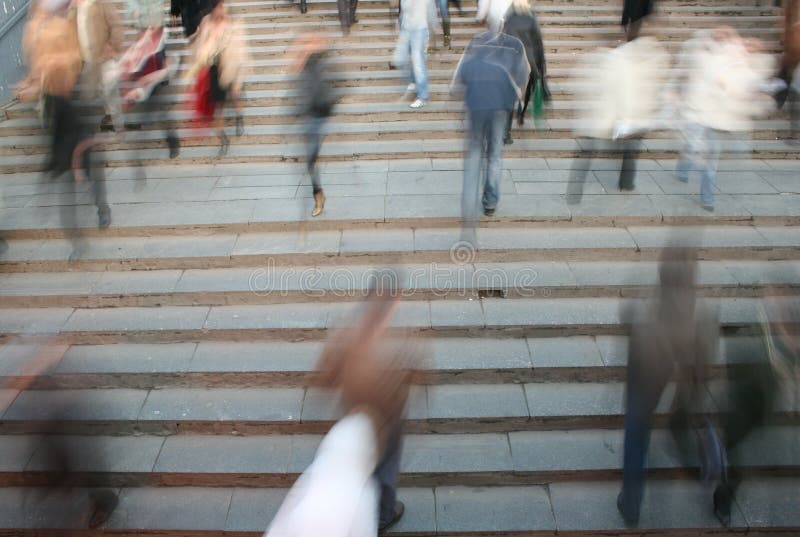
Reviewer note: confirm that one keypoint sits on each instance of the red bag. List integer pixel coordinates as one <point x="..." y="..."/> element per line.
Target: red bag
<point x="204" y="105"/>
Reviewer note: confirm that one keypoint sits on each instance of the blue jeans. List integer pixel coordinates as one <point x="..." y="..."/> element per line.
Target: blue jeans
<point x="411" y="45"/>
<point x="700" y="152"/>
<point x="486" y="129"/>
<point x="444" y="13"/>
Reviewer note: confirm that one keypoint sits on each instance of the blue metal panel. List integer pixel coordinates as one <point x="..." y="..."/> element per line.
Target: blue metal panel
<point x="12" y="23"/>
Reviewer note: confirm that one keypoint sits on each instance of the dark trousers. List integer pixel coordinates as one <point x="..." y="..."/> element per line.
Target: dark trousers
<point x="66" y="133"/>
<point x="347" y="13"/>
<point x="388" y="473"/>
<point x="630" y="153"/>
<point x="641" y="401"/>
<point x="313" y="135"/>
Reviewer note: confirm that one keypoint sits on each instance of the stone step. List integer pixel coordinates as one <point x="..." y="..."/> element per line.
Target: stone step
<point x="492" y="317"/>
<point x="763" y="505"/>
<point x="391" y="246"/>
<point x="449" y="360"/>
<point x="437" y="409"/>
<point x="480" y="460"/>
<point x="652" y="148"/>
<point x="269" y="284"/>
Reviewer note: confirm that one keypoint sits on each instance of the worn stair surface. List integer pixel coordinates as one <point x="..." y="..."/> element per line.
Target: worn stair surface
<point x="181" y="342"/>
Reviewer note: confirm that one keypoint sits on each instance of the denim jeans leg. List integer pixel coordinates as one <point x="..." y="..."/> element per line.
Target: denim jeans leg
<point x="388" y="473"/>
<point x="444" y="13"/>
<point x="402" y="50"/>
<point x="419" y="41"/>
<point x="472" y="169"/>
<point x="495" y="132"/>
<point x="709" y="171"/>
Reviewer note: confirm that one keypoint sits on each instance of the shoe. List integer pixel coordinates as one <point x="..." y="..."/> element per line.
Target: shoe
<point x="106" y="124"/>
<point x="239" y="125"/>
<point x="447" y="41"/>
<point x="319" y="203"/>
<point x="631" y="520"/>
<point x="488" y="212"/>
<point x="103" y="217"/>
<point x="508" y="140"/>
<point x="722" y="505"/>
<point x="682" y="178"/>
<point x="708" y="208"/>
<point x="624" y="188"/>
<point x="104" y="505"/>
<point x="174" y="145"/>
<point x="419" y="103"/>
<point x="399" y="509"/>
<point x="224" y="144"/>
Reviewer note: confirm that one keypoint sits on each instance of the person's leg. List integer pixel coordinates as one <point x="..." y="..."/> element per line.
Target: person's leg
<point x="494" y="154"/>
<point x="577" y="176"/>
<point x="709" y="168"/>
<point x="96" y="176"/>
<point x="444" y="13"/>
<point x="507" y="139"/>
<point x="402" y="52"/>
<point x="344" y="15"/>
<point x="353" y="15"/>
<point x="419" y="42"/>
<point x="313" y="145"/>
<point x="627" y="174"/>
<point x="387" y="474"/>
<point x="219" y="126"/>
<point x="472" y="172"/>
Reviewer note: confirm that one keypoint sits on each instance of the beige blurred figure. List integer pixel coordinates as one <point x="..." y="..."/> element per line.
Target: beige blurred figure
<point x="623" y="89"/>
<point x="349" y="490"/>
<point x="101" y="35"/>
<point x="219" y="45"/>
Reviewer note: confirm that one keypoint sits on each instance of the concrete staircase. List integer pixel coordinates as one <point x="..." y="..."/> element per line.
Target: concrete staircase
<point x="183" y="339"/>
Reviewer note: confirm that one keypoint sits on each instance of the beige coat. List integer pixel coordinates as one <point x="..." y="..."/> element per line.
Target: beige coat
<point x="50" y="45"/>
<point x="723" y="84"/>
<point x="100" y="30"/>
<point x="223" y="39"/>
<point x="621" y="87"/>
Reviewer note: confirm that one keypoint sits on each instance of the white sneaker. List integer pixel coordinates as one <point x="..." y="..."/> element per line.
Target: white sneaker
<point x="411" y="87"/>
<point x="418" y="103"/>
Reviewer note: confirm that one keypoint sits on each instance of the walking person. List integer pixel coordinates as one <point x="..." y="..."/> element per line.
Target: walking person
<point x="416" y="17"/>
<point x="493" y="72"/>
<point x="55" y="61"/>
<point x="317" y="102"/>
<point x="218" y="69"/>
<point x="520" y="22"/>
<point x="623" y="87"/>
<point x="754" y="386"/>
<point x="100" y="34"/>
<point x="350" y="489"/>
<point x="721" y="93"/>
<point x="191" y="13"/>
<point x="675" y="331"/>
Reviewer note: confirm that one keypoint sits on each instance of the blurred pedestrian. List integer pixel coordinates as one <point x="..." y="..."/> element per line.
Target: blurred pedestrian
<point x="623" y="88"/>
<point x="520" y="22"/>
<point x="55" y="61"/>
<point x="219" y="55"/>
<point x="317" y="103"/>
<point x="493" y="72"/>
<point x="350" y="489"/>
<point x="754" y="385"/>
<point x="633" y="13"/>
<point x="416" y="18"/>
<point x="101" y="34"/>
<point x="721" y="92"/>
<point x="674" y="331"/>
